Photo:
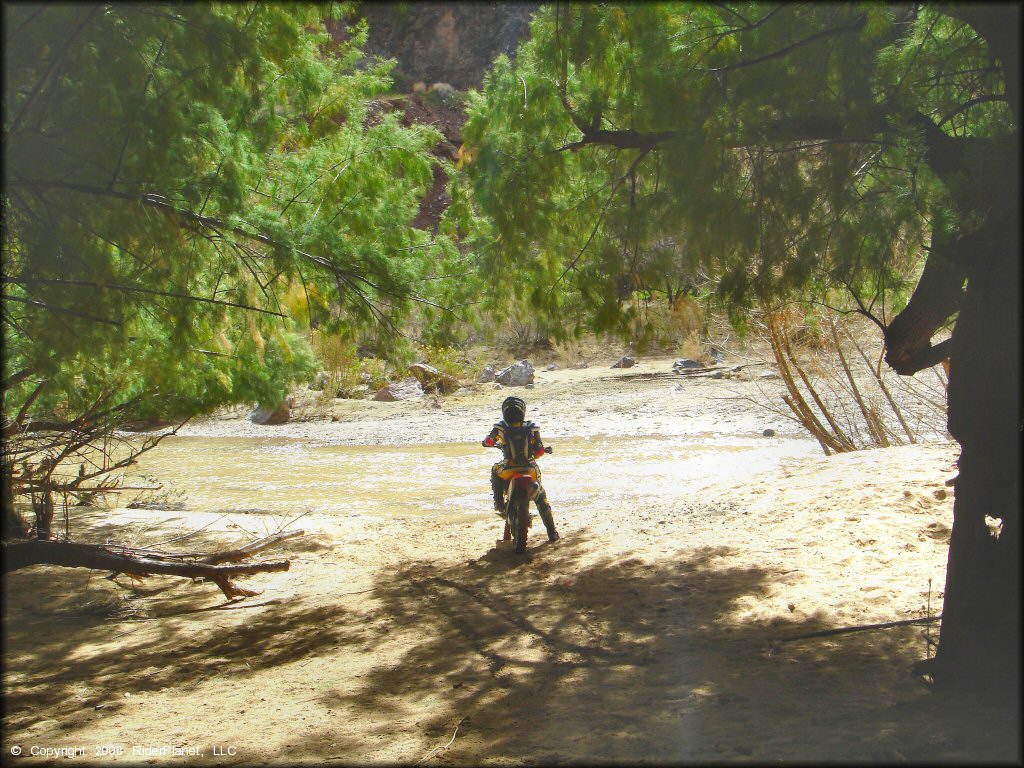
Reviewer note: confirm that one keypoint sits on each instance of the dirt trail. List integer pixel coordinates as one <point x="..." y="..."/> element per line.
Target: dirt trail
<point x="651" y="632"/>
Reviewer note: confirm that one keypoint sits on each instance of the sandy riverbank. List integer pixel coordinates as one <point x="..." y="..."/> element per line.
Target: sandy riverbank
<point x="653" y="631"/>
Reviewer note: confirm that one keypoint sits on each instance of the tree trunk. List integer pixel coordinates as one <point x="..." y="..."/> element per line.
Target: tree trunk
<point x="908" y="346"/>
<point x="14" y="525"/>
<point x="44" y="515"/>
<point x="980" y="635"/>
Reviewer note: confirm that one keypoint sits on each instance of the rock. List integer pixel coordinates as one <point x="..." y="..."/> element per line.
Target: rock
<point x="419" y="87"/>
<point x="768" y="375"/>
<point x="487" y="375"/>
<point x="318" y="384"/>
<point x="769" y="433"/>
<point x="625" y="362"/>
<point x="718" y="375"/>
<point x="684" y="364"/>
<point x="432" y="380"/>
<point x="454" y="42"/>
<point x="530" y="386"/>
<point x="260" y="415"/>
<point x="717" y="355"/>
<point x="265" y="414"/>
<point x="446" y="93"/>
<point x="516" y="375"/>
<point x="498" y="386"/>
<point x="400" y="390"/>
<point x="552" y="367"/>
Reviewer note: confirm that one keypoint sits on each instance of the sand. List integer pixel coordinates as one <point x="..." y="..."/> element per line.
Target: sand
<point x="654" y="631"/>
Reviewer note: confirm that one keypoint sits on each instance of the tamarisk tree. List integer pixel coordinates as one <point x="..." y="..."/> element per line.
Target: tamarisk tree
<point x="187" y="186"/>
<point x="793" y="150"/>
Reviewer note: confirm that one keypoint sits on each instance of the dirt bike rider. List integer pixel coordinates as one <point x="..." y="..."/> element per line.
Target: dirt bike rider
<point x="520" y="442"/>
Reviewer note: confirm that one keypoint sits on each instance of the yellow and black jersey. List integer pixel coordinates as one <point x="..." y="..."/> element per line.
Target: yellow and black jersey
<point x="520" y="443"/>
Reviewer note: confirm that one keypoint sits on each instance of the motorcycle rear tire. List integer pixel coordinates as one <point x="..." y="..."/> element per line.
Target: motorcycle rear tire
<point x="519" y="516"/>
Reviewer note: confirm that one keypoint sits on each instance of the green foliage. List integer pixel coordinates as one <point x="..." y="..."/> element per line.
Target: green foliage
<point x="378" y="371"/>
<point x="338" y="357"/>
<point x="446" y="359"/>
<point x="187" y="186"/>
<point x="775" y="147"/>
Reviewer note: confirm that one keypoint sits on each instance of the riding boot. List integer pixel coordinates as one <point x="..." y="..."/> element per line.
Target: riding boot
<point x="498" y="491"/>
<point x="544" y="508"/>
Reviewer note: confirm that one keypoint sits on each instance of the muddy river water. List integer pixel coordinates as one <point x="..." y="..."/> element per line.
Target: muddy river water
<point x="287" y="476"/>
<point x="617" y="438"/>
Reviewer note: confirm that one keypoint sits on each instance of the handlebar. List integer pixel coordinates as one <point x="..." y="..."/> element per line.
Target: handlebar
<point x="547" y="448"/>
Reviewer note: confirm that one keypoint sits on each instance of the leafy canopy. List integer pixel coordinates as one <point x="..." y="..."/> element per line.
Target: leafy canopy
<point x="186" y="186"/>
<point x="779" y="147"/>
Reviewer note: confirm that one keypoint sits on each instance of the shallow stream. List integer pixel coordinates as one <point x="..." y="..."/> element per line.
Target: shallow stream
<point x="288" y="476"/>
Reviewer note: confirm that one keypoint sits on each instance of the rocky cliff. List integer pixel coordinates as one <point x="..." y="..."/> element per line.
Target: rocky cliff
<point x="441" y="49"/>
<point x="453" y="43"/>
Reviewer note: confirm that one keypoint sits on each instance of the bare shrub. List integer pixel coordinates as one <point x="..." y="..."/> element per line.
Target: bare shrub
<point x="691" y="347"/>
<point x="570" y="352"/>
<point x="839" y="389"/>
<point x="53" y="465"/>
<point x="583" y="350"/>
<point x="662" y="326"/>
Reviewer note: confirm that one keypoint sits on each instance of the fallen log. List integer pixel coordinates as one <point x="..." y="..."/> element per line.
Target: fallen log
<point x="710" y="369"/>
<point x="69" y="554"/>
<point x="644" y="376"/>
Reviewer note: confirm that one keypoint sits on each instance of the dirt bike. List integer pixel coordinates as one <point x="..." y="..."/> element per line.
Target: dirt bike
<point x="523" y="488"/>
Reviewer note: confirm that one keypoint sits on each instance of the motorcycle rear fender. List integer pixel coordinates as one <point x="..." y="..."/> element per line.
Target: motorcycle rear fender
<point x="527" y="483"/>
<point x="511" y="472"/>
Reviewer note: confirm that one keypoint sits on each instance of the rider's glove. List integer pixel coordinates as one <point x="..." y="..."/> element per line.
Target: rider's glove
<point x="539" y="452"/>
<point x="488" y="442"/>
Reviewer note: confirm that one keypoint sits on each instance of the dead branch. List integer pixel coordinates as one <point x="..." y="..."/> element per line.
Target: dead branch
<point x="70" y="554"/>
<point x="437" y="750"/>
<point x="860" y="628"/>
<point x="841" y="439"/>
<point x="251" y="548"/>
<point x="795" y="399"/>
<point x="650" y="375"/>
<point x="711" y="369"/>
<point x="877" y="373"/>
<point x="871" y="419"/>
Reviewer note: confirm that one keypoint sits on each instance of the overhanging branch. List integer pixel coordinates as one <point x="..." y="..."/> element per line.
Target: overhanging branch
<point x="135" y="289"/>
<point x="854" y="26"/>
<point x="349" y="277"/>
<point x="627" y="139"/>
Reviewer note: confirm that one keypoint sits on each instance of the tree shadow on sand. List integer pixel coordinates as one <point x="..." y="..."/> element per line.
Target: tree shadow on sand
<point x="550" y="657"/>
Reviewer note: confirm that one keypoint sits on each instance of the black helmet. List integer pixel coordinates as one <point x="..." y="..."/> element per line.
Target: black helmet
<point x="513" y="409"/>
